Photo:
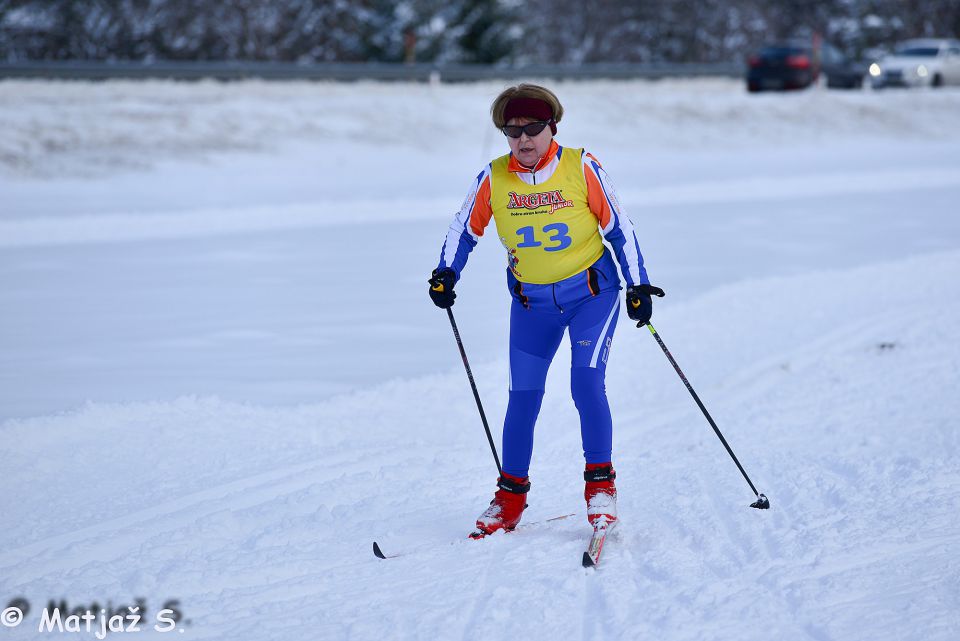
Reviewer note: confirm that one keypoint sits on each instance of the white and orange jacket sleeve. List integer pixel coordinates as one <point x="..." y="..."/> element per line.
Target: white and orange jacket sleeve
<point x="616" y="228"/>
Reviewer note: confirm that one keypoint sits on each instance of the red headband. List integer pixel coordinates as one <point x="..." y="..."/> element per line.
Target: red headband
<point x="530" y="108"/>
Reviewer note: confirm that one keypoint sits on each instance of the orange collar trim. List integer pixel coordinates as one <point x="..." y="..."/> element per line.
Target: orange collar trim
<point x="515" y="166"/>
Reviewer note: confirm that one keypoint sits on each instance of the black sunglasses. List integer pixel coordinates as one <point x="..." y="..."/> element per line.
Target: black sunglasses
<point x="531" y="129"/>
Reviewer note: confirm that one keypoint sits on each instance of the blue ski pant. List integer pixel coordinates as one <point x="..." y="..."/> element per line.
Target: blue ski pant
<point x="586" y="304"/>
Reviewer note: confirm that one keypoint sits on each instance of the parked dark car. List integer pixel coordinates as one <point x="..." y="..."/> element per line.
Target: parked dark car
<point x="797" y="65"/>
<point x="841" y="71"/>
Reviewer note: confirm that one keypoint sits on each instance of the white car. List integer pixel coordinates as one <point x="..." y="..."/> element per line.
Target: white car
<point x="919" y="63"/>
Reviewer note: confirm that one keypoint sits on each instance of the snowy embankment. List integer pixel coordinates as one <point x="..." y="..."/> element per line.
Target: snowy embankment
<point x="836" y="389"/>
<point x="53" y="129"/>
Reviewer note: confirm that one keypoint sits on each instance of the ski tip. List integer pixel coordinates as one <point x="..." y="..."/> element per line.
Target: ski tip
<point x="587" y="561"/>
<point x="762" y="502"/>
<point x="477" y="535"/>
<point x="377" y="552"/>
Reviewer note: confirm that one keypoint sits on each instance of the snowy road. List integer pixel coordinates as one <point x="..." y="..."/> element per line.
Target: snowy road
<point x="271" y="390"/>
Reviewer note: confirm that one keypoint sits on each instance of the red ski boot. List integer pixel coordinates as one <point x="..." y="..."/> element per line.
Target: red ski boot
<point x="506" y="508"/>
<point x="600" y="493"/>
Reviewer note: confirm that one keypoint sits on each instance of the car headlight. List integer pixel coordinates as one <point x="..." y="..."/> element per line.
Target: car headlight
<point x="922" y="71"/>
<point x="875" y="70"/>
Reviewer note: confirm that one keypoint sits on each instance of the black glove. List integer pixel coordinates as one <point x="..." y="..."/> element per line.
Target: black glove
<point x="441" y="287"/>
<point x="639" y="304"/>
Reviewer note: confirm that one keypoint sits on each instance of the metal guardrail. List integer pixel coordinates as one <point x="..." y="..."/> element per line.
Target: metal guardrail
<point x="97" y="70"/>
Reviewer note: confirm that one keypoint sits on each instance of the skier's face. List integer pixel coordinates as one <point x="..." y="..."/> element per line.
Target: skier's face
<point x="529" y="149"/>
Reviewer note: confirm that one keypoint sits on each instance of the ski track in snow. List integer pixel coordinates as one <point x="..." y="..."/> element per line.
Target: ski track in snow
<point x="854" y="443"/>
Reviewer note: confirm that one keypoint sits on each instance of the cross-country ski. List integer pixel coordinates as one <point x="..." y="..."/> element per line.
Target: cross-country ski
<point x="591" y="557"/>
<point x="475" y="535"/>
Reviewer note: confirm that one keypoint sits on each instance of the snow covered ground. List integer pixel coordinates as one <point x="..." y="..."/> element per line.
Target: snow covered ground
<point x="221" y="379"/>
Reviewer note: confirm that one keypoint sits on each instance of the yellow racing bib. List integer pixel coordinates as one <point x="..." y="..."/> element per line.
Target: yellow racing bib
<point x="547" y="229"/>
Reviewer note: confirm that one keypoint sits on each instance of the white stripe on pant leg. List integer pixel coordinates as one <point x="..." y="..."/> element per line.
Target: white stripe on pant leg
<point x="603" y="332"/>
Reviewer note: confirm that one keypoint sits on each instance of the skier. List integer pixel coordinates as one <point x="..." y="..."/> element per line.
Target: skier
<point x="551" y="206"/>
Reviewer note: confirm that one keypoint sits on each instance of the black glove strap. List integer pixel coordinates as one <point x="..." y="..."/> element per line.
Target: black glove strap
<point x="442" y="280"/>
<point x="649" y="290"/>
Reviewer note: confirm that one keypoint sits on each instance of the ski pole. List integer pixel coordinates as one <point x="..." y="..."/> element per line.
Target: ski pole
<point x="473" y="386"/>
<point x="762" y="503"/>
